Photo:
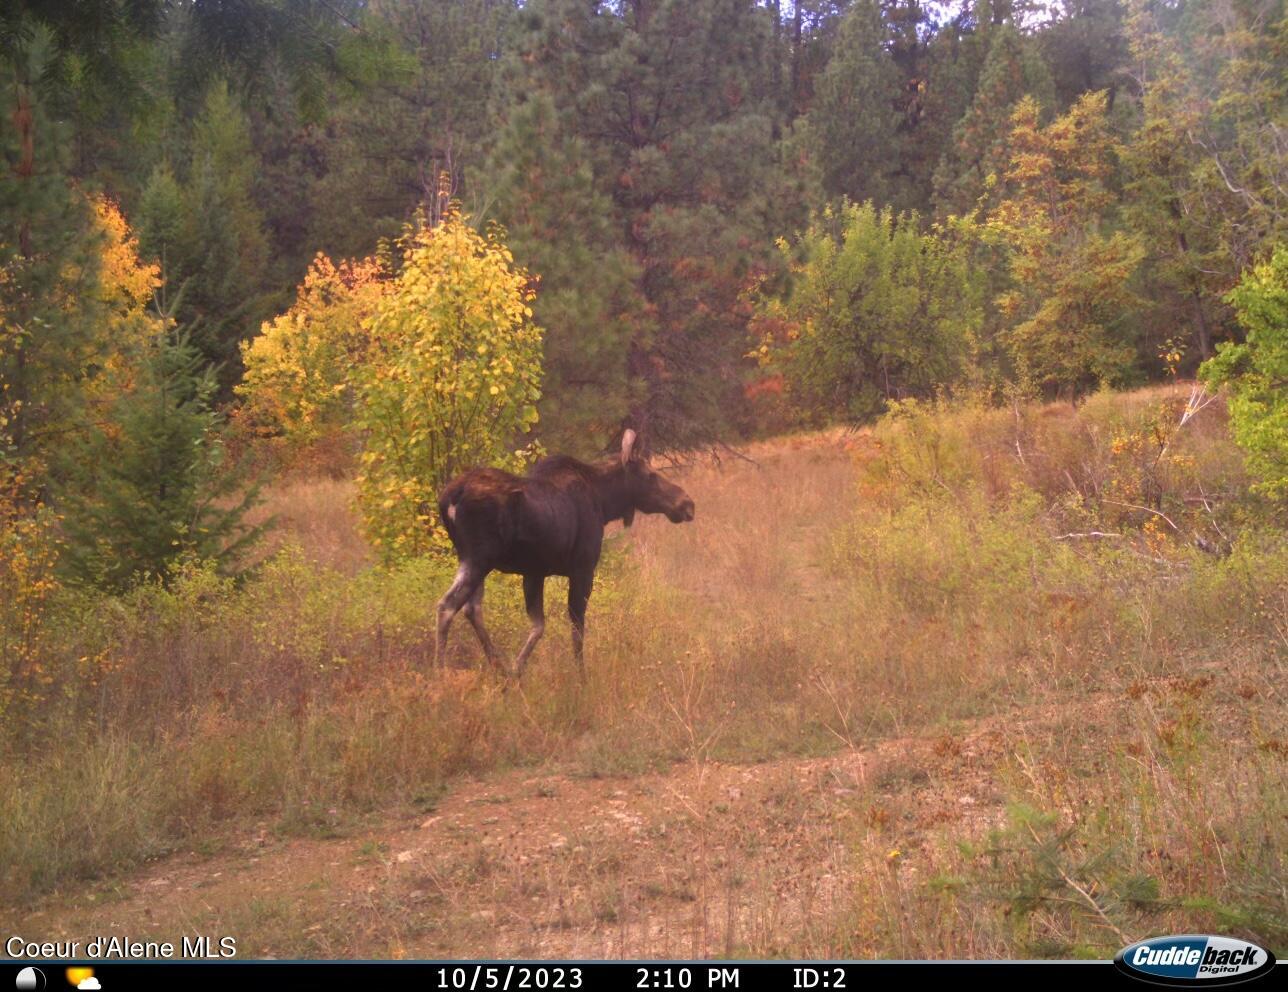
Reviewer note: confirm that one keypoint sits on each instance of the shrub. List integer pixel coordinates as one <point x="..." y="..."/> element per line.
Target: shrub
<point x="452" y="382"/>
<point x="876" y="310"/>
<point x="300" y="367"/>
<point x="28" y="553"/>
<point x="1256" y="373"/>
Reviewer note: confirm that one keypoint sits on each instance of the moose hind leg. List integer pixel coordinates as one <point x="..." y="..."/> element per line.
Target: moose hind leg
<point x="579" y="587"/>
<point x="457" y="596"/>
<point x="474" y="611"/>
<point x="534" y="591"/>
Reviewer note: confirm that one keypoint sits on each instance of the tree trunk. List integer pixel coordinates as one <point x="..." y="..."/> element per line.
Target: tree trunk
<point x="776" y="69"/>
<point x="24" y="123"/>
<point x="796" y="59"/>
<point x="1203" y="332"/>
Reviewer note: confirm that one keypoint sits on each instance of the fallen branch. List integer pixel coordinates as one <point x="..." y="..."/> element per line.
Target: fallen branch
<point x="1090" y="533"/>
<point x="1133" y="506"/>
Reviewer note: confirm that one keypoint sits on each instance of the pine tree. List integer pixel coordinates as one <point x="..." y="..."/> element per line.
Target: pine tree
<point x="51" y="318"/>
<point x="1236" y="53"/>
<point x="954" y="56"/>
<point x="160" y="220"/>
<point x="1084" y="48"/>
<point x="854" y="125"/>
<point x="561" y="230"/>
<point x="423" y="112"/>
<point x="151" y="486"/>
<point x="1206" y="174"/>
<point x="672" y="102"/>
<point x="223" y="250"/>
<point x="979" y="152"/>
<point x="1187" y="269"/>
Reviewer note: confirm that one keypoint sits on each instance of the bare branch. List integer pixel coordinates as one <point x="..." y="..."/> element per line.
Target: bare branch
<point x="1133" y="506"/>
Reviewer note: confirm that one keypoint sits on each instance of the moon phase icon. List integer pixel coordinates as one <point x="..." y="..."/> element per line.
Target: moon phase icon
<point x="29" y="979"/>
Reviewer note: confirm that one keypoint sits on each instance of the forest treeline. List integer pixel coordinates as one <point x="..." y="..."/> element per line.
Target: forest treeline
<point x="715" y="218"/>
<point x="301" y="258"/>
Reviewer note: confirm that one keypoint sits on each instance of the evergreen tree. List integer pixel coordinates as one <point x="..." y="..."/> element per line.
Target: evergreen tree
<point x="223" y="250"/>
<point x="954" y="56"/>
<point x="1084" y="47"/>
<point x="1186" y="270"/>
<point x="1206" y="174"/>
<point x="423" y="113"/>
<point x="151" y="486"/>
<point x="920" y="48"/>
<point x="160" y="219"/>
<point x="854" y="125"/>
<point x="306" y="44"/>
<point x="803" y="40"/>
<point x="1237" y="53"/>
<point x="561" y="229"/>
<point x="289" y="151"/>
<point x="980" y="151"/>
<point x="672" y="102"/>
<point x="51" y="317"/>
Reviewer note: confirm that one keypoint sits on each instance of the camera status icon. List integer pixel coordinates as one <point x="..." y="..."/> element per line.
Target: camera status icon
<point x="30" y="979"/>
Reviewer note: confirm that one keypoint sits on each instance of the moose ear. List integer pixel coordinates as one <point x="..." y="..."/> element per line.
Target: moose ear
<point x="628" y="444"/>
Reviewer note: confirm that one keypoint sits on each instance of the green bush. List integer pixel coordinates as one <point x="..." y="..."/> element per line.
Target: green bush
<point x="1256" y="373"/>
<point x="153" y="486"/>
<point x="875" y="309"/>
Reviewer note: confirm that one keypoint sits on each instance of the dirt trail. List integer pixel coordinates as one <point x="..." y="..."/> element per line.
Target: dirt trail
<point x="700" y="860"/>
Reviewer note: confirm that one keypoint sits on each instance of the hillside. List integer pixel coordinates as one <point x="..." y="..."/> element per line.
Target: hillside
<point x="884" y="697"/>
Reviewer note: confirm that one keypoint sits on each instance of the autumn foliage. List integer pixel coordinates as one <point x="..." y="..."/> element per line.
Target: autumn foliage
<point x="452" y="380"/>
<point x="1071" y="275"/>
<point x="28" y="553"/>
<point x="298" y="368"/>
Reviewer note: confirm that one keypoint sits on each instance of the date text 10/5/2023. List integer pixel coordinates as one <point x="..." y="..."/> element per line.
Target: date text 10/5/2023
<point x="522" y="978"/>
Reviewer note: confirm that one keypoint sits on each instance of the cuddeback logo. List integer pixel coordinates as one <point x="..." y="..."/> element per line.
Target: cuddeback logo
<point x="1192" y="959"/>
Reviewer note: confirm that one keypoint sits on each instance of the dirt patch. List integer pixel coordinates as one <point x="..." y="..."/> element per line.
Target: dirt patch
<point x="705" y="859"/>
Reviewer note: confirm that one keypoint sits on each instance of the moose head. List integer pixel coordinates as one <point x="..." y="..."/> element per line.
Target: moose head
<point x="648" y="491"/>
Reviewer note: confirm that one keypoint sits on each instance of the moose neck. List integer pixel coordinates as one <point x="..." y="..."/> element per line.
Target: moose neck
<point x="614" y="493"/>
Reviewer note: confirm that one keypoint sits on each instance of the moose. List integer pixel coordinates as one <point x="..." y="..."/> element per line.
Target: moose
<point x="550" y="522"/>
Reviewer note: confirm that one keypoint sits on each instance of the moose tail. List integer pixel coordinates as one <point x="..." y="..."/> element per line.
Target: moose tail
<point x="449" y="502"/>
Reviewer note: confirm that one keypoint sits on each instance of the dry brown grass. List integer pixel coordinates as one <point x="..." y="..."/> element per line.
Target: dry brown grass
<point x="320" y="516"/>
<point x="896" y="615"/>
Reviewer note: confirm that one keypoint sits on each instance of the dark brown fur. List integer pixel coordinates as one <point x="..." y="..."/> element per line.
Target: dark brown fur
<point x="550" y="522"/>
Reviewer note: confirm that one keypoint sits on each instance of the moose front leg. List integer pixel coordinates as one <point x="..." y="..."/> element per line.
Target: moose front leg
<point x="579" y="586"/>
<point x="534" y="591"/>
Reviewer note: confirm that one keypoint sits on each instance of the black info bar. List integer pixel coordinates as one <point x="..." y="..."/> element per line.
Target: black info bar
<point x="554" y="976"/>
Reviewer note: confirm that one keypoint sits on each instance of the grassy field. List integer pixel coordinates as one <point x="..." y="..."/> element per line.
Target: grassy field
<point x="994" y="682"/>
